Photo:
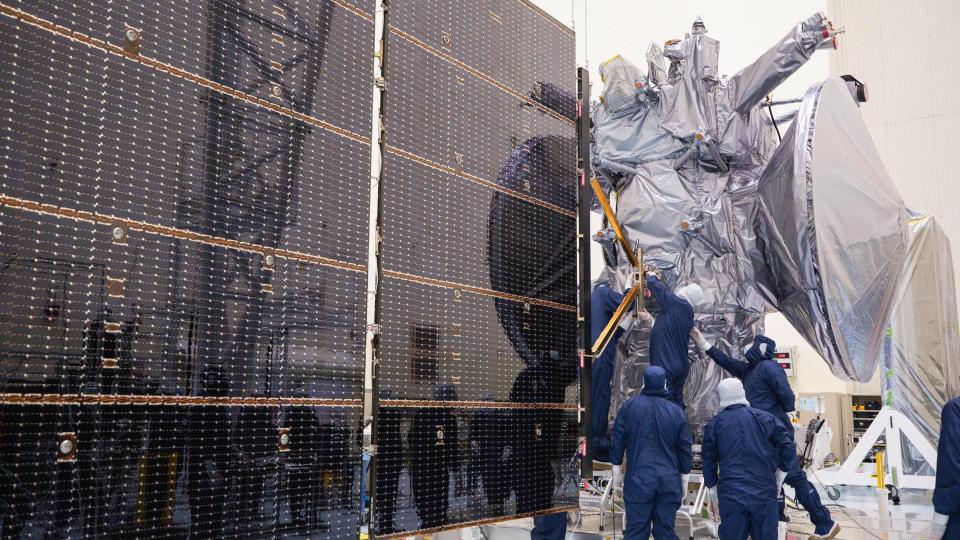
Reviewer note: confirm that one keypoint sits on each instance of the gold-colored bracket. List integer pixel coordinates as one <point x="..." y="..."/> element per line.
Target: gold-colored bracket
<point x="640" y="279"/>
<point x="636" y="260"/>
<point x="612" y="218"/>
<point x="604" y="338"/>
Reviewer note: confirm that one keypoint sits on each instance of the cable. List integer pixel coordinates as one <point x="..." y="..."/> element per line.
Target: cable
<point x="575" y="525"/>
<point x="775" y="126"/>
<point x="844" y="509"/>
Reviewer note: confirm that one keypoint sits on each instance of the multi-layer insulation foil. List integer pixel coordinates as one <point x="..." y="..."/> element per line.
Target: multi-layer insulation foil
<point x="694" y="162"/>
<point x="922" y="350"/>
<point x="834" y="231"/>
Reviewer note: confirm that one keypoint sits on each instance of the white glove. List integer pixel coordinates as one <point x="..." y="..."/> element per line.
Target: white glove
<point x="713" y="503"/>
<point x="617" y="478"/>
<point x="781" y="476"/>
<point x="700" y="340"/>
<point x="646" y="317"/>
<point x="685" y="483"/>
<point x="626" y="322"/>
<point x="938" y="526"/>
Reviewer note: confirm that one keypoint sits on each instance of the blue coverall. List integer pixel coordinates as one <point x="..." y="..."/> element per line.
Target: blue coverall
<point x="670" y="337"/>
<point x="946" y="495"/>
<point x="747" y="445"/>
<point x="767" y="389"/>
<point x="654" y="434"/>
<point x="603" y="302"/>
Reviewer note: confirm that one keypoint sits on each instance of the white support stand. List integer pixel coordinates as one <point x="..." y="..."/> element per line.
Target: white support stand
<point x="893" y="425"/>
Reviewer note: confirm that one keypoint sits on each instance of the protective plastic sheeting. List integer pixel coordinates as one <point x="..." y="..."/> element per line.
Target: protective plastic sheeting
<point x="922" y="354"/>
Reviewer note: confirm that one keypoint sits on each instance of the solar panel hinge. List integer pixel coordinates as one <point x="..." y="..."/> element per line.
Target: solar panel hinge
<point x="380" y="83"/>
<point x="374" y="328"/>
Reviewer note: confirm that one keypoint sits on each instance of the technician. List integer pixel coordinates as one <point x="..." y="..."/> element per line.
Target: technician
<point x="654" y="434"/>
<point x="767" y="389"/>
<point x="671" y="332"/>
<point x="747" y="445"/>
<point x="604" y="301"/>
<point x="946" y="495"/>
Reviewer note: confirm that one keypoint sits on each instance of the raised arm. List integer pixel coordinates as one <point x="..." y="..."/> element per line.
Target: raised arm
<point x="736" y="368"/>
<point x="664" y="297"/>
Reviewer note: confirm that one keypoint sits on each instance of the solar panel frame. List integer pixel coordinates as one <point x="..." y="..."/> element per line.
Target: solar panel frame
<point x="477" y="358"/>
<point x="184" y="210"/>
<point x="185" y="207"/>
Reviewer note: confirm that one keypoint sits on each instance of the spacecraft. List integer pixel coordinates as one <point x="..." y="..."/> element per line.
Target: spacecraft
<point x="710" y="189"/>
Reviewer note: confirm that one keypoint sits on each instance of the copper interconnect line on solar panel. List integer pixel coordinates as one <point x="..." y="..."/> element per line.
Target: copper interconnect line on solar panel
<point x="356" y="11"/>
<point x="248" y="98"/>
<point x="96" y="43"/>
<point x="479" y="74"/>
<point x="363" y="14"/>
<point x="477" y="180"/>
<point x="476" y="523"/>
<point x="478" y="290"/>
<point x="172" y="232"/>
<point x="436" y="404"/>
<point x="132" y="399"/>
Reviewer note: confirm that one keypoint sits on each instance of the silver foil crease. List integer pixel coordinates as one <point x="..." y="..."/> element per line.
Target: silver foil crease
<point x="834" y="231"/>
<point x="683" y="149"/>
<point x="922" y="350"/>
<point x="811" y="226"/>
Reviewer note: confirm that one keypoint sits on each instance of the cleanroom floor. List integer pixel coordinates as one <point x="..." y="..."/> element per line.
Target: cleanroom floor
<point x="864" y="513"/>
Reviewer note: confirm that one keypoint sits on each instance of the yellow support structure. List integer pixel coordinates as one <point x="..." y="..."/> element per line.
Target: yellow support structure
<point x="611" y="327"/>
<point x="612" y="218"/>
<point x="881" y="481"/>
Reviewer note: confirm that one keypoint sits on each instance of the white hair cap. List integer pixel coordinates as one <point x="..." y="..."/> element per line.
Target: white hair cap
<point x="731" y="393"/>
<point x="691" y="293"/>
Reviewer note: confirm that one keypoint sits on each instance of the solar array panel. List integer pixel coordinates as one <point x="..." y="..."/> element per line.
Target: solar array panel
<point x="184" y="220"/>
<point x="183" y="233"/>
<point x="478" y="353"/>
